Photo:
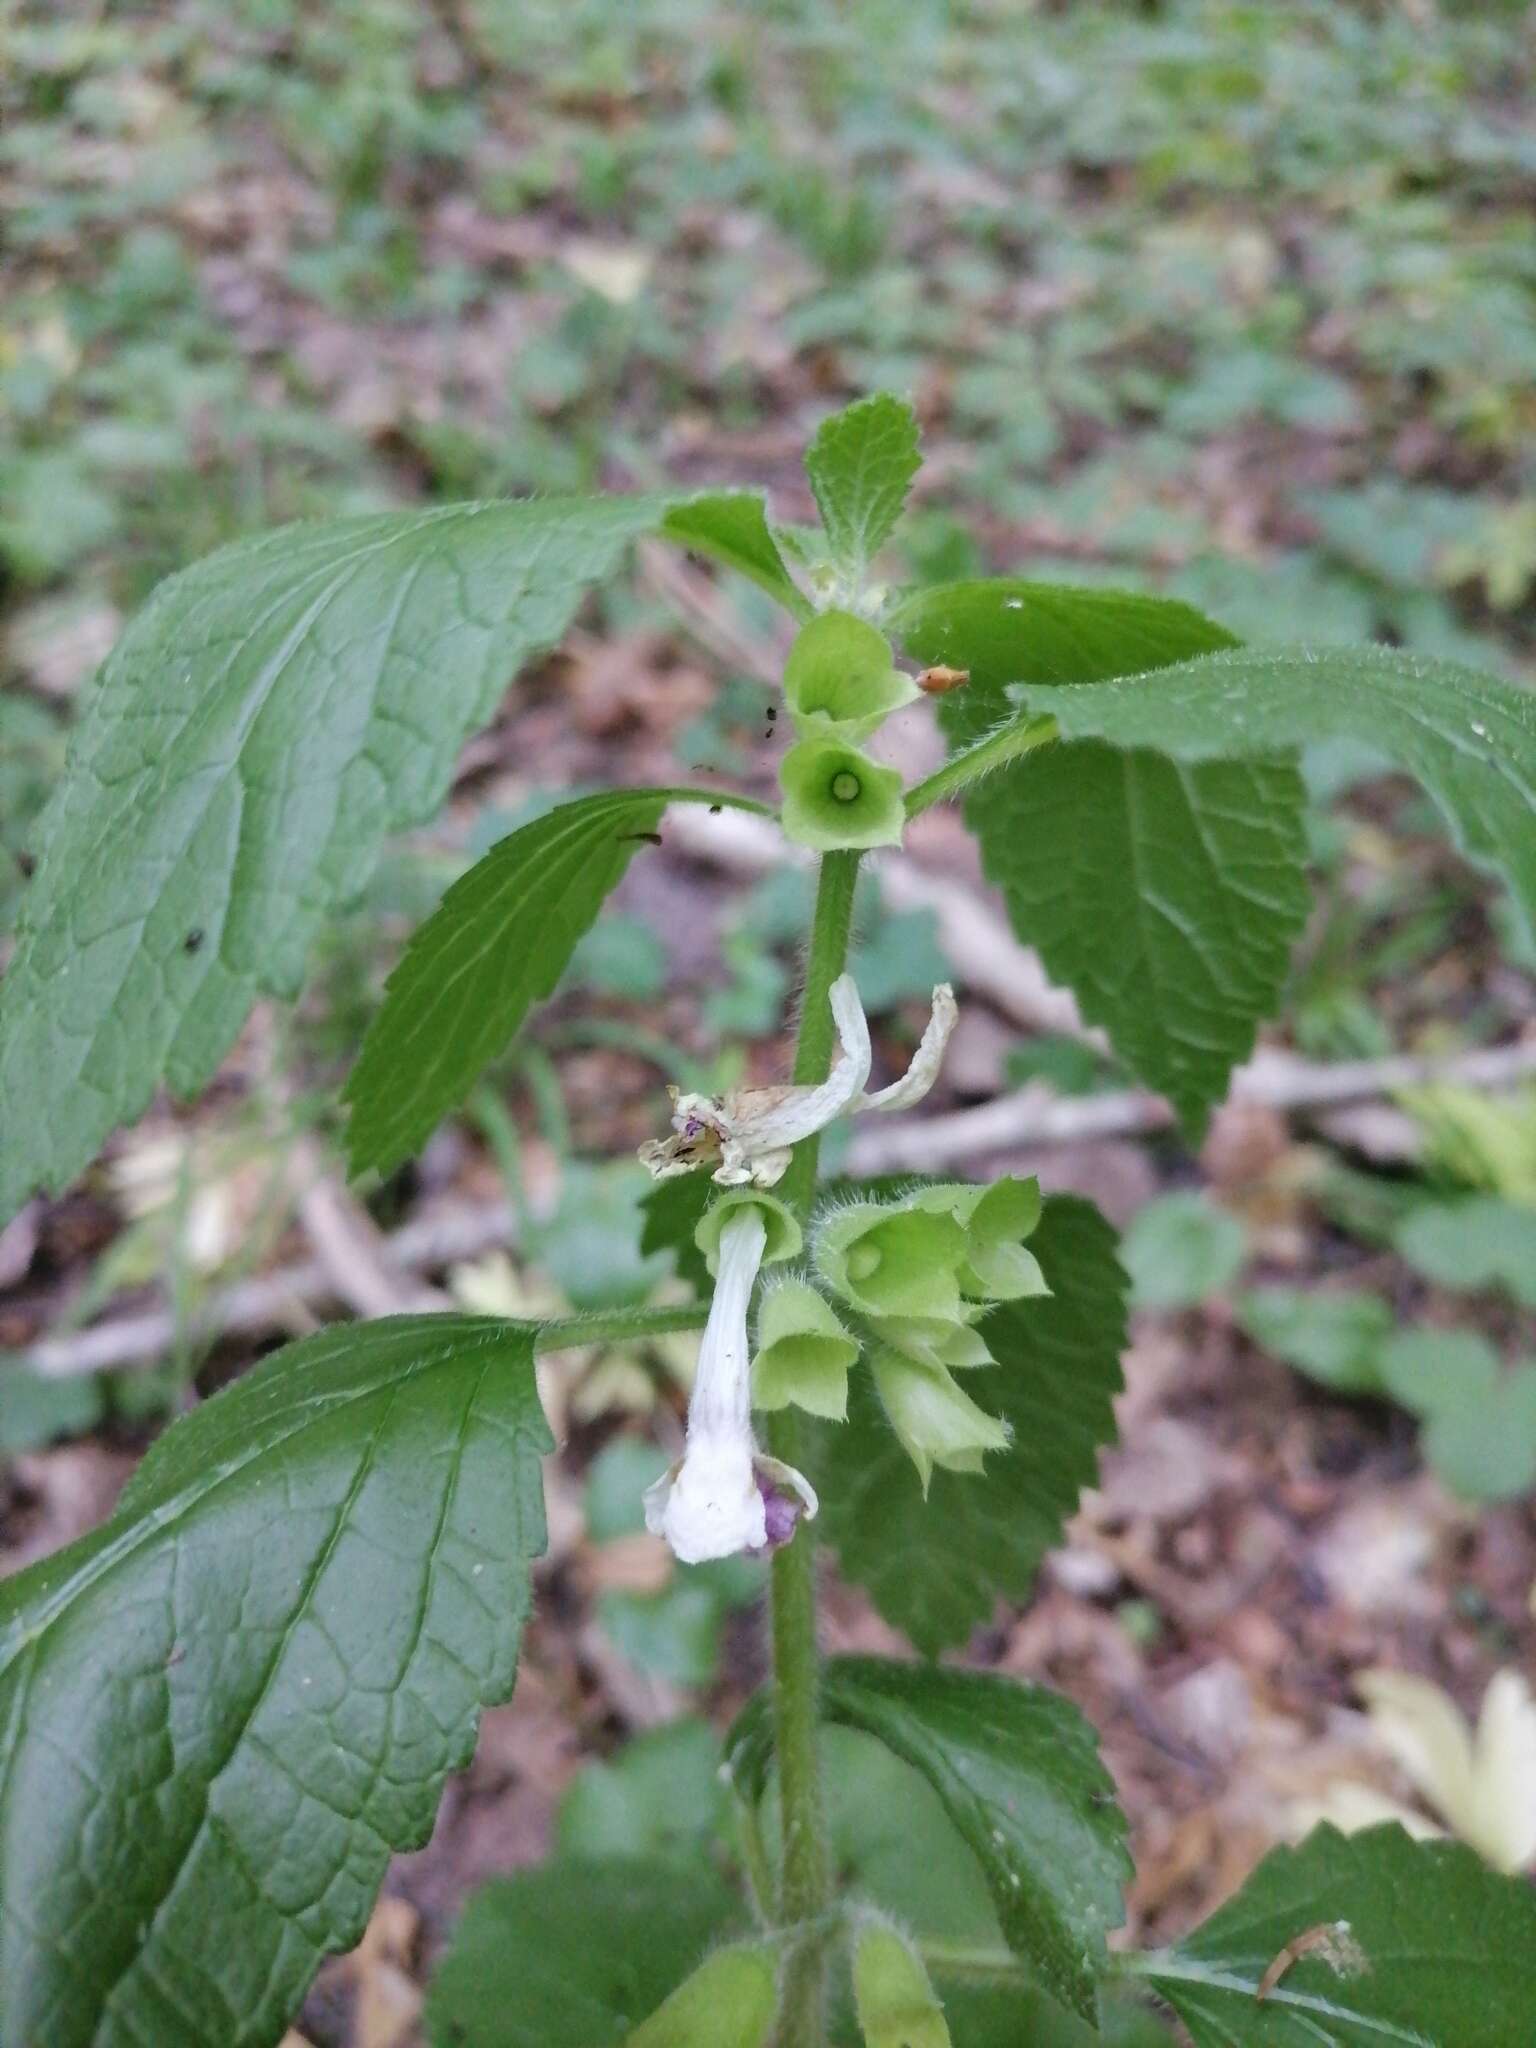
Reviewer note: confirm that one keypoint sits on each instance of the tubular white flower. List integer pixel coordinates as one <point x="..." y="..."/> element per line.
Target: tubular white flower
<point x="926" y="1061"/>
<point x="723" y="1496"/>
<point x="746" y="1135"/>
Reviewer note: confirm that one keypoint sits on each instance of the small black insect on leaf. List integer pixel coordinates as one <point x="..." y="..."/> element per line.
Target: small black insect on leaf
<point x="193" y="939"/>
<point x="27" y="862"/>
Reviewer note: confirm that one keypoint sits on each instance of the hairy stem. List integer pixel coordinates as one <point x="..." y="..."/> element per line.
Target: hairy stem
<point x="1019" y="736"/>
<point x="807" y="1882"/>
<point x="622" y="1324"/>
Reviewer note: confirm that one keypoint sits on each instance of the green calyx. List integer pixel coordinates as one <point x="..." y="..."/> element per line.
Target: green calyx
<point x="784" y="1234"/>
<point x="837" y="797"/>
<point x="937" y="1423"/>
<point x="803" y="1354"/>
<point x="996" y="1220"/>
<point x="730" y="2001"/>
<point x="894" y="1999"/>
<point x="840" y="681"/>
<point x="947" y="1346"/>
<point x="893" y="1260"/>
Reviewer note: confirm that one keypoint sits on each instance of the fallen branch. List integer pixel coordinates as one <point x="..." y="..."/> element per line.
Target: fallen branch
<point x="1272" y="1079"/>
<point x="275" y="1300"/>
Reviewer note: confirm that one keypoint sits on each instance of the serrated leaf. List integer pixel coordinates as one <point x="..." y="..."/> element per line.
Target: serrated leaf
<point x="271" y="714"/>
<point x="860" y="466"/>
<point x="1018" y="1772"/>
<point x="1429" y="1949"/>
<point x="1470" y="739"/>
<point x="497" y="943"/>
<point x="731" y="527"/>
<point x="575" y="1955"/>
<point x="225" y="1707"/>
<point x="936" y="1569"/>
<point x="1165" y="897"/>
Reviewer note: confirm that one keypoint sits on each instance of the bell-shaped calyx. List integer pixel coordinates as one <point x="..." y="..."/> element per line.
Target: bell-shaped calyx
<point x="891" y="1992"/>
<point x="893" y="1260"/>
<point x="840" y="682"/>
<point x="782" y="1238"/>
<point x="936" y="1421"/>
<point x="995" y="1220"/>
<point x="836" y="797"/>
<point x="730" y="2001"/>
<point x="803" y="1352"/>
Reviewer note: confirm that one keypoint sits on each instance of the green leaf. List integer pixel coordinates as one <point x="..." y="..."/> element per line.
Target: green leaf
<point x="1005" y="630"/>
<point x="1433" y="1951"/>
<point x="1166" y="897"/>
<point x="860" y="465"/>
<point x="731" y="527"/>
<point x="1335" y="1336"/>
<point x="672" y="1210"/>
<point x="1479" y="1242"/>
<point x="1017" y="1770"/>
<point x="1484" y="1448"/>
<point x="935" y="1571"/>
<point x="225" y="1707"/>
<point x="1470" y="739"/>
<point x="36" y="1409"/>
<point x="575" y="1955"/>
<point x="271" y="714"/>
<point x="497" y="943"/>
<point x="1181" y="1249"/>
<point x="660" y="1796"/>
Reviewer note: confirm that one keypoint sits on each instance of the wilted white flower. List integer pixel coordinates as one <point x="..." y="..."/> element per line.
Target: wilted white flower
<point x="745" y="1136"/>
<point x="1482" y="1781"/>
<point x="723" y="1495"/>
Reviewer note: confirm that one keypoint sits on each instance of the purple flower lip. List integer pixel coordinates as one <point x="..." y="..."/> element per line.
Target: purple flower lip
<point x="781" y="1513"/>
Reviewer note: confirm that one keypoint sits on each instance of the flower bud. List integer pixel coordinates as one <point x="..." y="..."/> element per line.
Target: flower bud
<point x="803" y="1353"/>
<point x="783" y="1233"/>
<point x="730" y="2001"/>
<point x="895" y="2001"/>
<point x="834" y="796"/>
<point x="840" y="682"/>
<point x="893" y="1260"/>
<point x="937" y="1423"/>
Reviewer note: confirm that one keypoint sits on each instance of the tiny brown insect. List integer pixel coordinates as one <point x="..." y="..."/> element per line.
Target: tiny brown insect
<point x="937" y="680"/>
<point x="1332" y="1943"/>
<point x="27" y="862"/>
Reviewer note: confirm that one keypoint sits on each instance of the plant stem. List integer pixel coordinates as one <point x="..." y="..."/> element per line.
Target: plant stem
<point x="1019" y="736"/>
<point x="622" y="1325"/>
<point x="807" y="1882"/>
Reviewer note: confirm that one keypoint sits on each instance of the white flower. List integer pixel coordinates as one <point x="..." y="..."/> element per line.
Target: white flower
<point x="746" y="1135"/>
<point x="723" y="1495"/>
<point x="1482" y="1781"/>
